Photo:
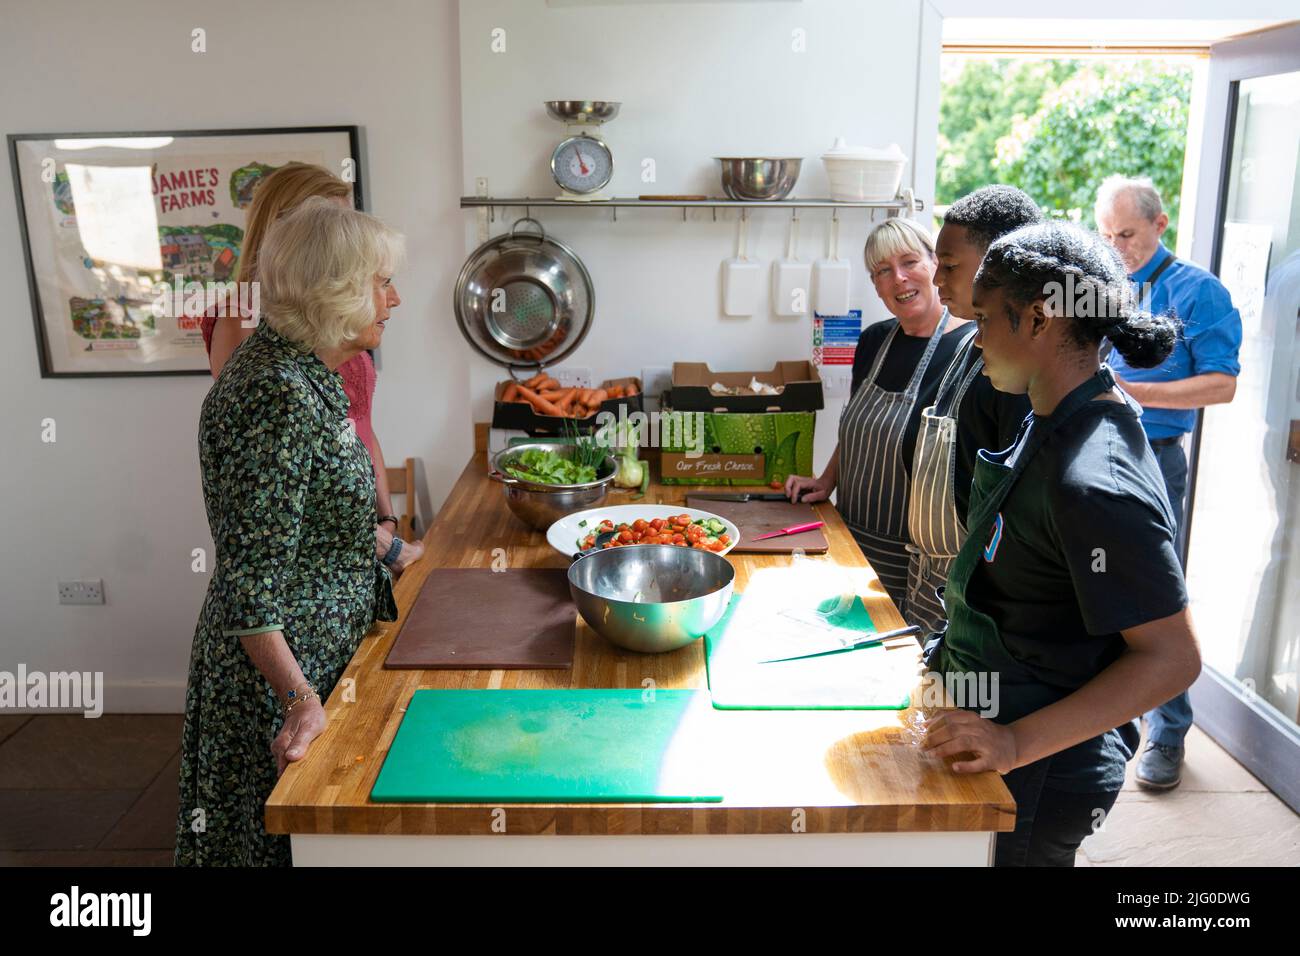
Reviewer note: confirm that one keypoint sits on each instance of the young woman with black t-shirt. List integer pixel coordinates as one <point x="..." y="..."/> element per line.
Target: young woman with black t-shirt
<point x="1068" y="590"/>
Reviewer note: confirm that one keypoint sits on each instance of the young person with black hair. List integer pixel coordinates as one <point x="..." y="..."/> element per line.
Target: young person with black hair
<point x="1068" y="589"/>
<point x="968" y="413"/>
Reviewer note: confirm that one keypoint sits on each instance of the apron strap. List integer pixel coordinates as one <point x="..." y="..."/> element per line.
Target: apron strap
<point x="1150" y="284"/>
<point x="914" y="386"/>
<point x="951" y="376"/>
<point x="880" y="356"/>
<point x="1039" y="431"/>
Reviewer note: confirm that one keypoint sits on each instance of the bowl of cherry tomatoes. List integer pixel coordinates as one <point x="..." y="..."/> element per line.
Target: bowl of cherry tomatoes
<point x="641" y="525"/>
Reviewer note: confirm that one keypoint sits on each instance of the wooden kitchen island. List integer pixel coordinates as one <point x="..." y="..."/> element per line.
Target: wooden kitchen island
<point x="804" y="787"/>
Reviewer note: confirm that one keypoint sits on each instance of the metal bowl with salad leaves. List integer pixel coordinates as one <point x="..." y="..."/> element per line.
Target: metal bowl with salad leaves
<point x="544" y="481"/>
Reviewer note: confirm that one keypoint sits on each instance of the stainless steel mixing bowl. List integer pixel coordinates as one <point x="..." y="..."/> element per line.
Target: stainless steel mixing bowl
<point x="582" y="112"/>
<point x="540" y="506"/>
<point x="651" y="597"/>
<point x="757" y="177"/>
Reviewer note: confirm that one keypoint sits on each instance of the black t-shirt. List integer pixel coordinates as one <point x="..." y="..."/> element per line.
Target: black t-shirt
<point x="900" y="362"/>
<point x="987" y="418"/>
<point x="1086" y="551"/>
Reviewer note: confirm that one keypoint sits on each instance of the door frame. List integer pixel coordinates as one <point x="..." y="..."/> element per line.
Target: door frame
<point x="1255" y="733"/>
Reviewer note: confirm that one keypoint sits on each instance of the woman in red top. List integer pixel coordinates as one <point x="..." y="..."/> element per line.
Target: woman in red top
<point x="224" y="328"/>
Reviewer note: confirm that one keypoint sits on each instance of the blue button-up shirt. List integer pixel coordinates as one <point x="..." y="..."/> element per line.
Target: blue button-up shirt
<point x="1207" y="342"/>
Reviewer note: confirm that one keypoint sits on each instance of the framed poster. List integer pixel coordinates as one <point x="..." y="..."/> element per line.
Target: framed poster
<point x="130" y="237"/>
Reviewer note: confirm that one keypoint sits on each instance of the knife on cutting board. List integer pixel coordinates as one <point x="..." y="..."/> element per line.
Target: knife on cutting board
<point x="874" y="640"/>
<point x="744" y="496"/>
<point x="793" y="529"/>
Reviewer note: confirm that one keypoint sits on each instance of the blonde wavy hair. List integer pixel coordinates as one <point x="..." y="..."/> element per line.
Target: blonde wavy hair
<point x="894" y="236"/>
<point x="317" y="272"/>
<point x="277" y="193"/>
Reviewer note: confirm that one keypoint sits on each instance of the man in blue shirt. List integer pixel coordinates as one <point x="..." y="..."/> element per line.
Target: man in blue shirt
<point x="1201" y="371"/>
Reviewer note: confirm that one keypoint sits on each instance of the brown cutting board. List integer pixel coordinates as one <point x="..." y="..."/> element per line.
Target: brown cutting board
<point x="760" y="517"/>
<point x="476" y="618"/>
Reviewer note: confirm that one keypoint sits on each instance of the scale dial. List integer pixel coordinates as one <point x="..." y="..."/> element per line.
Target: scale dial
<point x="582" y="164"/>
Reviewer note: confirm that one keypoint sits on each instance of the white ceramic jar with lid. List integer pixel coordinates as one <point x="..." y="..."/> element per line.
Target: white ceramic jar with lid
<point x="863" y="173"/>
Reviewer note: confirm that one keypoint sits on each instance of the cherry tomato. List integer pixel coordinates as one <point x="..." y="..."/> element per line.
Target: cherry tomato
<point x="724" y="539"/>
<point x="657" y="523"/>
<point x="640" y="524"/>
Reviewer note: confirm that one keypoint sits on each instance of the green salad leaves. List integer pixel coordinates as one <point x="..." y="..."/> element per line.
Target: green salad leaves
<point x="550" y="468"/>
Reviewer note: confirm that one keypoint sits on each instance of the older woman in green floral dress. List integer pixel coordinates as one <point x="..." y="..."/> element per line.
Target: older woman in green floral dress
<point x="290" y="498"/>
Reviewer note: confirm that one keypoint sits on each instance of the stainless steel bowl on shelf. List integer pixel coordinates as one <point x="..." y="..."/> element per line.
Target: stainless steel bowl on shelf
<point x="582" y="112"/>
<point x="758" y="177"/>
<point x="539" y="506"/>
<point x="651" y="598"/>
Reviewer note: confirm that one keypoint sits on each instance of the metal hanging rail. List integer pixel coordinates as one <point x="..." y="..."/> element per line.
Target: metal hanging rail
<point x="892" y="207"/>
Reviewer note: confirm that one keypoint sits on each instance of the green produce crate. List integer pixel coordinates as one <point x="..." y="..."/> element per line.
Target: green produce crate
<point x="740" y="448"/>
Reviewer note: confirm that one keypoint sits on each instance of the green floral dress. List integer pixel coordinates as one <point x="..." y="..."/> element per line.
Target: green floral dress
<point x="290" y="497"/>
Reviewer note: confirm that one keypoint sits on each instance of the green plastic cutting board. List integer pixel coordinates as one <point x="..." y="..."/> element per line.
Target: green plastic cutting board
<point x="871" y="678"/>
<point x="551" y="746"/>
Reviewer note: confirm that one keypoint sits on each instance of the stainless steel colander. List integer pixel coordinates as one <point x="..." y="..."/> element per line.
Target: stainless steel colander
<point x="523" y="299"/>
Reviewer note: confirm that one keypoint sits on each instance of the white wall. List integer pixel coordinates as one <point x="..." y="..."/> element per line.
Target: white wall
<point x="117" y="496"/>
<point x="696" y="81"/>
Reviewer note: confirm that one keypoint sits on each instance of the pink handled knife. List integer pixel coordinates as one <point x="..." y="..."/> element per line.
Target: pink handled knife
<point x="793" y="529"/>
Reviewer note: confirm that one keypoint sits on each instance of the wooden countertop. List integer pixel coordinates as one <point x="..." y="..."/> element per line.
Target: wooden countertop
<point x="834" y="771"/>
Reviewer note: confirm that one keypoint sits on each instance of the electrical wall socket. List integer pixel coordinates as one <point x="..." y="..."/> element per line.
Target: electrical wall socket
<point x="81" y="592"/>
<point x="655" y="380"/>
<point x="571" y="376"/>
<point x="836" y="379"/>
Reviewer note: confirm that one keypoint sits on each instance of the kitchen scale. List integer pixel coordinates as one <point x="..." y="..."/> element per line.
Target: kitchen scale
<point x="582" y="163"/>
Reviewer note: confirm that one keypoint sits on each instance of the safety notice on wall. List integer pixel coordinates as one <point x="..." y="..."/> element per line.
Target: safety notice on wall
<point x="835" y="337"/>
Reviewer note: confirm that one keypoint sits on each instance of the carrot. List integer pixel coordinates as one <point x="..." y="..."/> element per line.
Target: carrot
<point x="537" y="380"/>
<point x="599" y="396"/>
<point x="630" y="390"/>
<point x="549" y="384"/>
<point x="551" y="394"/>
<point x="511" y="392"/>
<point x="540" y="405"/>
<point x="615" y="391"/>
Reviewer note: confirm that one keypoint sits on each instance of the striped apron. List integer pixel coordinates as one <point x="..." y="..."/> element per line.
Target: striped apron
<point x="935" y="530"/>
<point x="872" y="490"/>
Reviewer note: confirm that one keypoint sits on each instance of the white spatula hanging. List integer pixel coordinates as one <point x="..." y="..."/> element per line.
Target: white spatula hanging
<point x="830" y="277"/>
<point x="791" y="279"/>
<point x="741" y="278"/>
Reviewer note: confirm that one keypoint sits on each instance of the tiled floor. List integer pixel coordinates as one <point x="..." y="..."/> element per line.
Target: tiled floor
<point x="97" y="792"/>
<point x="78" y="792"/>
<point x="1219" y="815"/>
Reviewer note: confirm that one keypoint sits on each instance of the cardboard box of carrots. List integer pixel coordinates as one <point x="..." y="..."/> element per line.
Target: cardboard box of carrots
<point x="541" y="404"/>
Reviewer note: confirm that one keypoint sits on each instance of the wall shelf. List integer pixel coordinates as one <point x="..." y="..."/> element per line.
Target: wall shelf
<point x="893" y="207"/>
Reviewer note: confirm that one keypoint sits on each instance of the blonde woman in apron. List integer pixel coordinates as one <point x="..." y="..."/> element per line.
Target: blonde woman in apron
<point x="896" y="373"/>
<point x="968" y="412"/>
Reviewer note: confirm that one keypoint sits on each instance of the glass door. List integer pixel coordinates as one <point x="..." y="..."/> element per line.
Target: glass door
<point x="1243" y="561"/>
